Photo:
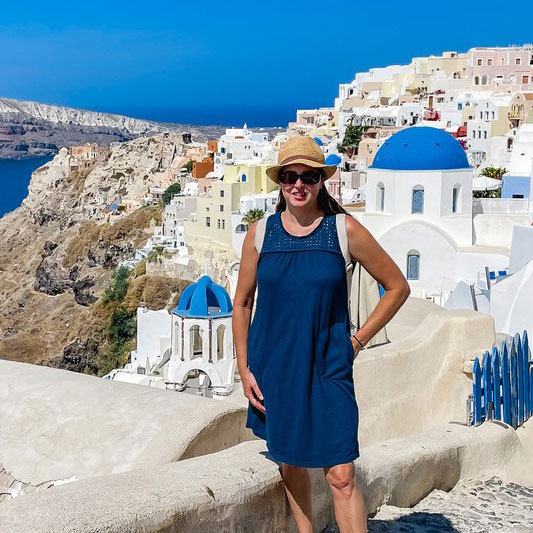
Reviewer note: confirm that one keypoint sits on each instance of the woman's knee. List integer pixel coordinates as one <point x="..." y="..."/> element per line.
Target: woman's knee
<point x="341" y="477"/>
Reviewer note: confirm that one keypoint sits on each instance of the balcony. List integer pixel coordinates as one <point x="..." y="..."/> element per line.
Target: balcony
<point x="515" y="115"/>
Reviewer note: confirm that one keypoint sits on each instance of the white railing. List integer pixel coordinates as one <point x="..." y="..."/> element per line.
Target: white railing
<point x="501" y="205"/>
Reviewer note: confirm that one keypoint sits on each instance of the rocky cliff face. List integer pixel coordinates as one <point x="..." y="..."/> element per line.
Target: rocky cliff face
<point x="57" y="252"/>
<point x="32" y="129"/>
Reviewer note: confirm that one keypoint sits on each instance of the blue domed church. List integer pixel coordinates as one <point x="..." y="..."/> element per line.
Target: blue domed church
<point x="201" y="337"/>
<point x="419" y="208"/>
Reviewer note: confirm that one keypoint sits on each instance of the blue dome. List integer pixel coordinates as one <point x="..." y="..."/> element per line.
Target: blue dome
<point x="333" y="159"/>
<point x="318" y="141"/>
<point x="198" y="297"/>
<point x="420" y="148"/>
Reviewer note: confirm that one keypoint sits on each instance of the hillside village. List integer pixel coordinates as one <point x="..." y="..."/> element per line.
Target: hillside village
<point x="139" y="246"/>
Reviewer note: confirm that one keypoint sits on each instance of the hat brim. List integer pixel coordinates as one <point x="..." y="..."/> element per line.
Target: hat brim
<point x="329" y="170"/>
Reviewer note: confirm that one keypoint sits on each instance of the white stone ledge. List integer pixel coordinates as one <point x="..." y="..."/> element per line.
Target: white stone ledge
<point x="240" y="489"/>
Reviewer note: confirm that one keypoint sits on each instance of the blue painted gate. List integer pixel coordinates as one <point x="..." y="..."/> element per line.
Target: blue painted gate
<point x="503" y="384"/>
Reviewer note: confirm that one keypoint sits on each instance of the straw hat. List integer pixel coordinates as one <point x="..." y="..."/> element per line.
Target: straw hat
<point x="301" y="149"/>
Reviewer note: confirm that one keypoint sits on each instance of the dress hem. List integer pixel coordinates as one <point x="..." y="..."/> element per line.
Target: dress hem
<point x="348" y="458"/>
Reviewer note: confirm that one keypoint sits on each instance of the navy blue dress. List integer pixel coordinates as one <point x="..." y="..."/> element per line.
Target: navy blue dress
<point x="299" y="348"/>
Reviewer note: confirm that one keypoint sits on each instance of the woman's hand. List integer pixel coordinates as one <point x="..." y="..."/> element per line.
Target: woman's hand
<point x="252" y="391"/>
<point x="356" y="346"/>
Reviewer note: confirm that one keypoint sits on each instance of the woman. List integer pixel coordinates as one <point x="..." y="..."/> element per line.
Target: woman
<point x="295" y="359"/>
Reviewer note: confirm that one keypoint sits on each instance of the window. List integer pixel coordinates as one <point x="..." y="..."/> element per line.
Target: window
<point x="518" y="61"/>
<point x="417" y="205"/>
<point x="218" y="223"/>
<point x="486" y="115"/>
<point x="484" y="79"/>
<point x="476" y="80"/>
<point x="479" y="62"/>
<point x="221" y="193"/>
<point x="380" y="198"/>
<point x="493" y="115"/>
<point x="455" y="198"/>
<point x="485" y="134"/>
<point x="502" y="61"/>
<point x="223" y="224"/>
<point x="489" y="62"/>
<point x="222" y="207"/>
<point x="243" y="177"/>
<point x="413" y="264"/>
<point x="207" y="222"/>
<point x="473" y="134"/>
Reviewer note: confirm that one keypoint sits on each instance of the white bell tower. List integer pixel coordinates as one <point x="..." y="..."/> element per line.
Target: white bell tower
<point x="202" y="337"/>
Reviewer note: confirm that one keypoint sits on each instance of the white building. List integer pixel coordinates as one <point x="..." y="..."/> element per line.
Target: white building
<point x="241" y="143"/>
<point x="489" y="114"/>
<point x="202" y="338"/>
<point x="419" y="208"/>
<point x="194" y="342"/>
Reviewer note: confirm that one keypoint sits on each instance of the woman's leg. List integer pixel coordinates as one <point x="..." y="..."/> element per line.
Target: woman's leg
<point x="348" y="502"/>
<point x="298" y="489"/>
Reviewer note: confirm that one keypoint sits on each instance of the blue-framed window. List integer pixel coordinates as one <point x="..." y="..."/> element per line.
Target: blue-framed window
<point x="413" y="265"/>
<point x="417" y="205"/>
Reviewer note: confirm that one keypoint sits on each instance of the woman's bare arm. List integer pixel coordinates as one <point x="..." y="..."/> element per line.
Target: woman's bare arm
<point x="368" y="252"/>
<point x="243" y="303"/>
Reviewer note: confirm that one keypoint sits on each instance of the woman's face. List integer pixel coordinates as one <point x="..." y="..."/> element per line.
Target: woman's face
<point x="299" y="194"/>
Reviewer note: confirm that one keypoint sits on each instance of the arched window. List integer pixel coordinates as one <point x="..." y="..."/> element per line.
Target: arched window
<point x="484" y="79"/>
<point x="380" y="197"/>
<point x="221" y="330"/>
<point x="195" y="340"/>
<point x="241" y="228"/>
<point x="456" y="198"/>
<point x="417" y="204"/>
<point x="413" y="264"/>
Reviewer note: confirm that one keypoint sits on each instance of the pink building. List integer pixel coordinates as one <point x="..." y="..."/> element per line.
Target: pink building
<point x="501" y="67"/>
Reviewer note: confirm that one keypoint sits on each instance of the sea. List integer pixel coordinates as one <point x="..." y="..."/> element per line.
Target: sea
<point x="15" y="177"/>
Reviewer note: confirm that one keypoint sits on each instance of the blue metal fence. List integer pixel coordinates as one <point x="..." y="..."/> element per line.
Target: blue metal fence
<point x="503" y="384"/>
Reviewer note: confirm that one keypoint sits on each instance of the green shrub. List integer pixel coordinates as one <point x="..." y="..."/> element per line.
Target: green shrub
<point x="118" y="286"/>
<point x="175" y="188"/>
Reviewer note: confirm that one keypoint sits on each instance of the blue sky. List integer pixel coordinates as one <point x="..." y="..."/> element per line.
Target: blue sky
<point x="235" y="60"/>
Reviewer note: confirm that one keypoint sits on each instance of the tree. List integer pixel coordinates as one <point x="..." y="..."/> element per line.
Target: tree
<point x="352" y="138"/>
<point x="175" y="188"/>
<point x="189" y="165"/>
<point x="251" y="216"/>
<point x="494" y="172"/>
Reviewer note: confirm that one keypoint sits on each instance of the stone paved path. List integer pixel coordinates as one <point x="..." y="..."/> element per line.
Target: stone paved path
<point x="472" y="506"/>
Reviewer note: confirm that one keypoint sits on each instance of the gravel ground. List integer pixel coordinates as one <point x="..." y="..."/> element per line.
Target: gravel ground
<point x="472" y="506"/>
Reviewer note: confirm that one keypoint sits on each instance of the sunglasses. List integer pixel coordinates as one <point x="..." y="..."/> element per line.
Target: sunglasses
<point x="309" y="177"/>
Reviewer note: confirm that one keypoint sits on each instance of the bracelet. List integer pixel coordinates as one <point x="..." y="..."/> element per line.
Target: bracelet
<point x="360" y="343"/>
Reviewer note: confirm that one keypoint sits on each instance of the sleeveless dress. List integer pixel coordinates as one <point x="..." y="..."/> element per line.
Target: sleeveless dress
<point x="299" y="348"/>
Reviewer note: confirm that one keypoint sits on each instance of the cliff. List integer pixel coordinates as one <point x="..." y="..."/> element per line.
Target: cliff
<point x="32" y="129"/>
<point x="58" y="252"/>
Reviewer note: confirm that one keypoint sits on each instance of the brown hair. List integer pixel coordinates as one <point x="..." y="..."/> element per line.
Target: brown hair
<point x="325" y="202"/>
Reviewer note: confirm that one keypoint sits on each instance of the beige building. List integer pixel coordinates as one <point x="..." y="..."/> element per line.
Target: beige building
<point x="521" y="109"/>
<point x="218" y="217"/>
